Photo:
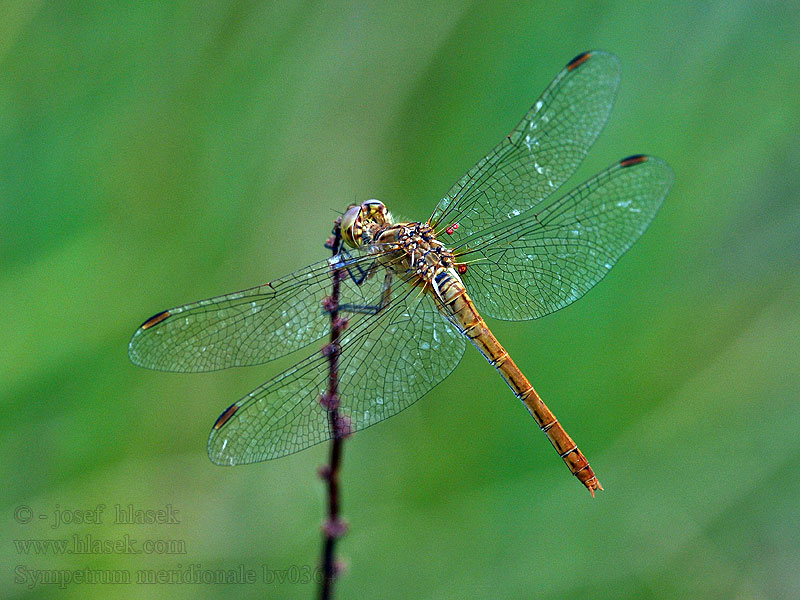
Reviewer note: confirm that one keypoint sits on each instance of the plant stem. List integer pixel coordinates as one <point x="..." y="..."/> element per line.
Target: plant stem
<point x="334" y="527"/>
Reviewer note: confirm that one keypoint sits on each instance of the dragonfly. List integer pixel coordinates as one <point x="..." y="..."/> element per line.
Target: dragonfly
<point x="501" y="243"/>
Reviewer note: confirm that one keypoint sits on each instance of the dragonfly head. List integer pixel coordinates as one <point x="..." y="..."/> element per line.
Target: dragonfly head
<point x="358" y="217"/>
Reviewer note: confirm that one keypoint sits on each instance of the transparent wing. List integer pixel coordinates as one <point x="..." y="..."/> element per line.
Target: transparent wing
<point x="542" y="152"/>
<point x="252" y="326"/>
<point x="538" y="263"/>
<point x="387" y="362"/>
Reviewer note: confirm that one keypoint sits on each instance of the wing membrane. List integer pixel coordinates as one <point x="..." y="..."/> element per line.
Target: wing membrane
<point x="542" y="152"/>
<point x="252" y="326"/>
<point x="388" y="361"/>
<point x="540" y="262"/>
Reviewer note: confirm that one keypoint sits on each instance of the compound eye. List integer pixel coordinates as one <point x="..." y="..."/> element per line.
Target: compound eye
<point x="375" y="210"/>
<point x="351" y="226"/>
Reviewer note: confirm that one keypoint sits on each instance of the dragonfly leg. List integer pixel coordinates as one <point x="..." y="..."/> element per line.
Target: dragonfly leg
<point x="362" y="274"/>
<point x="372" y="309"/>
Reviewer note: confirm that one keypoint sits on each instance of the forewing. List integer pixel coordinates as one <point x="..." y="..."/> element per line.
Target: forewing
<point x="252" y="326"/>
<point x="387" y="362"/>
<point x="542" y="152"/>
<point x="538" y="263"/>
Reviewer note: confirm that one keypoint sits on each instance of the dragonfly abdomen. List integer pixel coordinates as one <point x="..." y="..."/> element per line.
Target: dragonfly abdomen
<point x="458" y="307"/>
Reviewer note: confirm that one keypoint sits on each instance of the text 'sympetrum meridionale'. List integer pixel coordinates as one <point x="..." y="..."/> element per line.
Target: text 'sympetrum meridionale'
<point x="413" y="293"/>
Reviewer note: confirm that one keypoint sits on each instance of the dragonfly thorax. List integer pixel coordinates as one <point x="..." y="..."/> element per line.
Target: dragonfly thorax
<point x="408" y="249"/>
<point x="411" y="249"/>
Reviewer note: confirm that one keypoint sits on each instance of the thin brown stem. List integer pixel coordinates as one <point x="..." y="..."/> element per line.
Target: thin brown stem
<point x="334" y="527"/>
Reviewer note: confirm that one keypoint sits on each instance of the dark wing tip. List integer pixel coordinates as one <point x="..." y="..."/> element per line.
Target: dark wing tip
<point x="155" y="319"/>
<point x="602" y="59"/>
<point x="217" y="454"/>
<point x="634" y="159"/>
<point x="225" y="416"/>
<point x="578" y="60"/>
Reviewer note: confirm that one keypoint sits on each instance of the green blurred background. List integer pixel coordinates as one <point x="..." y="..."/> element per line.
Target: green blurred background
<point x="152" y="154"/>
